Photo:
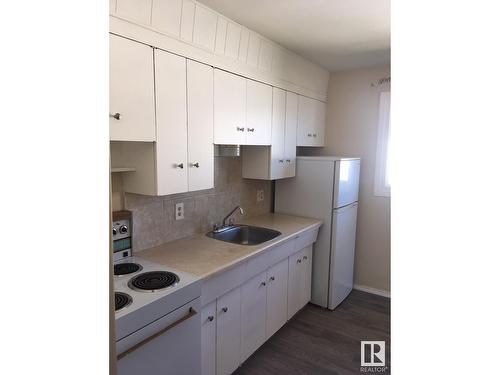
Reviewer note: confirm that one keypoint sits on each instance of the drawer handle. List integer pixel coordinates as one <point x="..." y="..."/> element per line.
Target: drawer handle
<point x="224" y="309"/>
<point x="263" y="283"/>
<point x="115" y="116"/>
<point x="190" y="314"/>
<point x="299" y="261"/>
<point x="181" y="165"/>
<point x="210" y="318"/>
<point x="271" y="278"/>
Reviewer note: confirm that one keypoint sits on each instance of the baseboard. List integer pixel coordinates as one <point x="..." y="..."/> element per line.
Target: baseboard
<point x="378" y="292"/>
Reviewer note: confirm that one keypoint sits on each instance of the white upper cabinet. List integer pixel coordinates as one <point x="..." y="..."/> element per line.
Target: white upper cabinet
<point x="311" y="122"/>
<point x="182" y="157"/>
<point x="200" y="111"/>
<point x="171" y="120"/>
<point x="277" y="161"/>
<point x="258" y="113"/>
<point x="242" y="110"/>
<point x="131" y="89"/>
<point x="229" y="108"/>
<point x="292" y="105"/>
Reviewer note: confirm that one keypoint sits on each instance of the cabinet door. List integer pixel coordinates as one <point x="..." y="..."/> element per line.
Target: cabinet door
<point x="171" y="143"/>
<point x="228" y="332"/>
<point x="294" y="283"/>
<point x="258" y="113"/>
<point x="319" y="123"/>
<point x="253" y="315"/>
<point x="277" y="162"/>
<point x="277" y="282"/>
<point x="131" y="91"/>
<point x="208" y="339"/>
<point x="305" y="277"/>
<point x="290" y="152"/>
<point x="229" y="108"/>
<point x="200" y="107"/>
<point x="305" y="125"/>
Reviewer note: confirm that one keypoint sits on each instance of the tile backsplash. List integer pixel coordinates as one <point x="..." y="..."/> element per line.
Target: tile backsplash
<point x="153" y="217"/>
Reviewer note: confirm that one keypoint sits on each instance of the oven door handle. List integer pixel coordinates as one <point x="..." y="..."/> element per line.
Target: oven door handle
<point x="192" y="312"/>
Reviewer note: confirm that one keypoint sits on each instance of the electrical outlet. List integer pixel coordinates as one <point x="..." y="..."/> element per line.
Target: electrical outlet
<point x="260" y="195"/>
<point x="179" y="211"/>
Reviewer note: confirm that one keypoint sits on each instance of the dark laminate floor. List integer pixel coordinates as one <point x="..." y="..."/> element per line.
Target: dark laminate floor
<point x="318" y="341"/>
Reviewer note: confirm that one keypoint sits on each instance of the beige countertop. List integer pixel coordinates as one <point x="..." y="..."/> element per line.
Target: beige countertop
<point x="205" y="257"/>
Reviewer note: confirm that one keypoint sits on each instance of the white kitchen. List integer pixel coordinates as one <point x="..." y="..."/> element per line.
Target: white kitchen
<point x="208" y="188"/>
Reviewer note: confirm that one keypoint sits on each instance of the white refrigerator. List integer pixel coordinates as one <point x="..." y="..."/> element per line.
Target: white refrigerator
<point x="326" y="188"/>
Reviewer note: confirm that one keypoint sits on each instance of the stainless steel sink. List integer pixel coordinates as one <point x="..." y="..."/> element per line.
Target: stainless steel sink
<point x="244" y="234"/>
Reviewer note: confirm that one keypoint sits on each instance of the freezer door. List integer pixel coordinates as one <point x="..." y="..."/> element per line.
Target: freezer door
<point x="342" y="258"/>
<point x="346" y="182"/>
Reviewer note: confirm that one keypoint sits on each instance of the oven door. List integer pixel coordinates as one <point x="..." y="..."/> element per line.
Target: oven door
<point x="169" y="345"/>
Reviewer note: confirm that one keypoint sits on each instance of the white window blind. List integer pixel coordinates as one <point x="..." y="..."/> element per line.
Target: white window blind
<point x="382" y="186"/>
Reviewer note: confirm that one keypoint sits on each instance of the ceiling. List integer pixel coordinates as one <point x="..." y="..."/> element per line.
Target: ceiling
<point x="337" y="34"/>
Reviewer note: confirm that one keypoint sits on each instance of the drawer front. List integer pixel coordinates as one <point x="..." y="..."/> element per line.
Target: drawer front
<point x="272" y="256"/>
<point x="305" y="239"/>
<point x="223" y="283"/>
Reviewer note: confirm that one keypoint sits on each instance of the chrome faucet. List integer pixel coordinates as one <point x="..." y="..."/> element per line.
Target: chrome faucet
<point x="242" y="212"/>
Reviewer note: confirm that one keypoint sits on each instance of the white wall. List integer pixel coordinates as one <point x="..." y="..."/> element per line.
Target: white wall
<point x="351" y="130"/>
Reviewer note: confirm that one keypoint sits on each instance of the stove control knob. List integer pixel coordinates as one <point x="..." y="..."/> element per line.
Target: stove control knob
<point x="123" y="229"/>
<point x="114" y="231"/>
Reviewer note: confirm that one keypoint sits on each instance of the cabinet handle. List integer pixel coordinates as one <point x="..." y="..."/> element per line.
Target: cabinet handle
<point x="281" y="160"/>
<point x="309" y="135"/>
<point x="299" y="261"/>
<point x="304" y="257"/>
<point x="224" y="309"/>
<point x="181" y="165"/>
<point x="271" y="278"/>
<point x="250" y="129"/>
<point x="238" y="129"/>
<point x="314" y="135"/>
<point x="197" y="165"/>
<point x="263" y="283"/>
<point x="288" y="160"/>
<point x="115" y="116"/>
<point x="210" y="318"/>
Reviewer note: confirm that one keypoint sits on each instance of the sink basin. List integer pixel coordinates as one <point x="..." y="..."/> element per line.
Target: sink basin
<point x="244" y="234"/>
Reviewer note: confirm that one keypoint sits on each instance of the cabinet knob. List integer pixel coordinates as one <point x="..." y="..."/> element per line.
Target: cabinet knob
<point x="240" y="129"/>
<point x="281" y="160"/>
<point x="309" y="135"/>
<point x="181" y="165"/>
<point x="271" y="278"/>
<point x="314" y="135"/>
<point x="263" y="283"/>
<point x="115" y="116"/>
<point x="224" y="309"/>
<point x="288" y="160"/>
<point x="299" y="261"/>
<point x="210" y="318"/>
<point x="304" y="257"/>
<point x="197" y="165"/>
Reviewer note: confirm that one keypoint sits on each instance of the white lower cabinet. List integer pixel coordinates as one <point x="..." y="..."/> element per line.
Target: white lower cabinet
<point x="253" y="315"/>
<point x="236" y="324"/>
<point x="228" y="332"/>
<point x="208" y="339"/>
<point x="299" y="280"/>
<point x="276" y="308"/>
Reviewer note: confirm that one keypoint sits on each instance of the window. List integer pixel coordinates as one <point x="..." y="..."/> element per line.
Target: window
<point x="383" y="168"/>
